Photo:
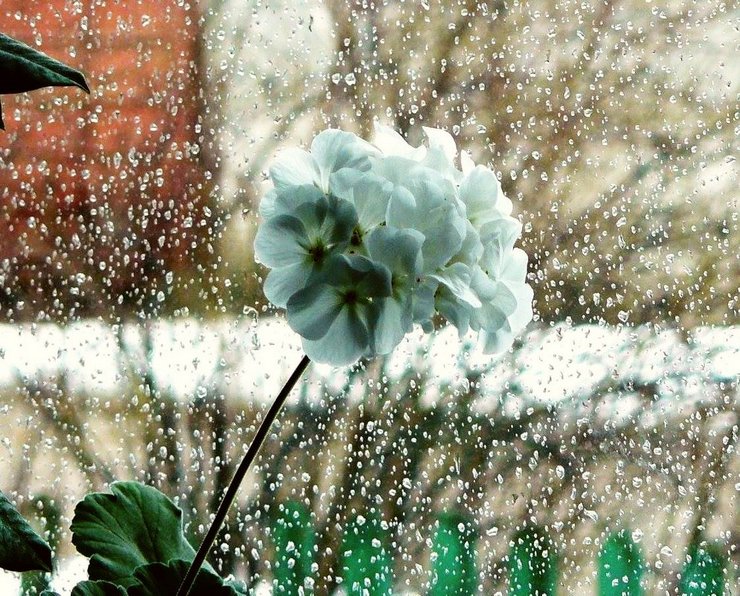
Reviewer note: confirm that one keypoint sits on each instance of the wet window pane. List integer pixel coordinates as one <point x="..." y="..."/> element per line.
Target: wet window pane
<point x="595" y="454"/>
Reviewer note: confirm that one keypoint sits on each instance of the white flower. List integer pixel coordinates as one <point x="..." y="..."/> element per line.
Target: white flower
<point x="336" y="314"/>
<point x="369" y="194"/>
<point x="331" y="151"/>
<point x="425" y="201"/>
<point x="297" y="244"/>
<point x="400" y="252"/>
<point x="484" y="200"/>
<point x="364" y="242"/>
<point x="439" y="156"/>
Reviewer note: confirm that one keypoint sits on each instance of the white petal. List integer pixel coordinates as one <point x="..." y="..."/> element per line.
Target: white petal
<point x="522" y="315"/>
<point x="436" y="161"/>
<point x="440" y="139"/>
<point x="480" y="190"/>
<point x="267" y="204"/>
<point x="504" y="204"/>
<point x="313" y="310"/>
<point x="498" y="238"/>
<point x="490" y="318"/>
<point x="457" y="278"/>
<point x="466" y="162"/>
<point x="342" y="182"/>
<point x="397" y="169"/>
<point x="482" y="284"/>
<point x="444" y="231"/>
<point x="423" y="301"/>
<point x="472" y="248"/>
<point x="344" y="343"/>
<point x="278" y="242"/>
<point x="391" y="143"/>
<point x="282" y="283"/>
<point x="402" y="210"/>
<point x="335" y="149"/>
<point x="456" y="312"/>
<point x="399" y="250"/>
<point x="391" y="323"/>
<point x="498" y="341"/>
<point x="293" y="167"/>
<point x="515" y="266"/>
<point x="288" y="199"/>
<point x="369" y="194"/>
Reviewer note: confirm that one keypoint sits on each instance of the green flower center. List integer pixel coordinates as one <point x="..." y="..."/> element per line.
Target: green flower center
<point x="317" y="253"/>
<point x="356" y="239"/>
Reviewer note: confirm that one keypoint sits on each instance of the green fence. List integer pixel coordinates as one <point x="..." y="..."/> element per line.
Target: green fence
<point x="367" y="560"/>
<point x="532" y="563"/>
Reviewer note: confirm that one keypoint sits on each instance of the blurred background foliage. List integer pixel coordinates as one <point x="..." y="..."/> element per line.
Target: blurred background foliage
<point x="613" y="125"/>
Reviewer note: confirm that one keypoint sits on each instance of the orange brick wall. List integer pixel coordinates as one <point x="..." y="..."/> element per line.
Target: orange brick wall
<point x="101" y="195"/>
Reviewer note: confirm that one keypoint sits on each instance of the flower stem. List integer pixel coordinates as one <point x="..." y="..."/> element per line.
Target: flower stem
<point x="241" y="471"/>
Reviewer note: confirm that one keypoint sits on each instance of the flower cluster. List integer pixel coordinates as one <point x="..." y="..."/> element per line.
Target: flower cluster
<point x="366" y="240"/>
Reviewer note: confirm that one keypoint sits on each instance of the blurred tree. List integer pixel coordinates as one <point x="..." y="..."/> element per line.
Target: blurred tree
<point x="45" y="512"/>
<point x="294" y="541"/>
<point x="367" y="565"/>
<point x="703" y="574"/>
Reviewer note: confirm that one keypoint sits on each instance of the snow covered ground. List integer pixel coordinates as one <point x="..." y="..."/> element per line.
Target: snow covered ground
<point x="253" y="358"/>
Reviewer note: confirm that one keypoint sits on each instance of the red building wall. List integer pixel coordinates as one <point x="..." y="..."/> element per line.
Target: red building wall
<point x="102" y="195"/>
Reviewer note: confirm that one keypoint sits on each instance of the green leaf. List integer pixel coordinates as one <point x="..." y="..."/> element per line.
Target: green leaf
<point x="134" y="525"/>
<point x="23" y="68"/>
<point x="532" y="564"/>
<point x="49" y="593"/>
<point x="97" y="588"/>
<point x="620" y="567"/>
<point x="453" y="567"/>
<point x="294" y="539"/>
<point x="156" y="579"/>
<point x="21" y="549"/>
<point x="239" y="587"/>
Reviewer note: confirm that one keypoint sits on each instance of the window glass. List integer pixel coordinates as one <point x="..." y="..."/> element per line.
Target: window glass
<point x="597" y="455"/>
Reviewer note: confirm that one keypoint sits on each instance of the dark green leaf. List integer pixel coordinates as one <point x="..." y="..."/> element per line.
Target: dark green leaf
<point x="23" y="68"/>
<point x="21" y="549"/>
<point x="453" y="569"/>
<point x="157" y="579"/>
<point x="49" y="593"/>
<point x="134" y="526"/>
<point x="97" y="588"/>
